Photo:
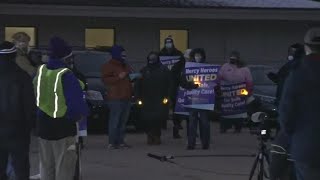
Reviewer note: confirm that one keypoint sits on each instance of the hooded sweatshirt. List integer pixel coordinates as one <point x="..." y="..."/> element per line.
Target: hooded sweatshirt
<point x="117" y="89"/>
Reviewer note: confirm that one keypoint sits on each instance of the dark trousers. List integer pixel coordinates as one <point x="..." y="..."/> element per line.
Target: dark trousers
<point x="305" y="172"/>
<point x="19" y="160"/>
<point x="199" y="117"/>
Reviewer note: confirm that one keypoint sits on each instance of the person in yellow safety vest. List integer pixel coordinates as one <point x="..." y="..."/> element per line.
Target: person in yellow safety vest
<point x="59" y="98"/>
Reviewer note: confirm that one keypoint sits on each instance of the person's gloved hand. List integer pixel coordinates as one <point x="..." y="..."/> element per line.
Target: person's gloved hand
<point x="272" y="76"/>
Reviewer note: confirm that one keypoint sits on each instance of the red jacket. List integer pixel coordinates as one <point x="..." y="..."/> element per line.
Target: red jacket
<point x="117" y="89"/>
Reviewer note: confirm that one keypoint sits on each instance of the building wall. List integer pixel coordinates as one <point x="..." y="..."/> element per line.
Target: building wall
<point x="260" y="42"/>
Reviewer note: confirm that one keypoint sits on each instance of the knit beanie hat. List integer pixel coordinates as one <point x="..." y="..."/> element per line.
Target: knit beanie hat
<point x="7" y="48"/>
<point x="58" y="48"/>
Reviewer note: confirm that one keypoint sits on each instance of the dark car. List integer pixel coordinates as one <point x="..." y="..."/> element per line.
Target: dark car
<point x="264" y="89"/>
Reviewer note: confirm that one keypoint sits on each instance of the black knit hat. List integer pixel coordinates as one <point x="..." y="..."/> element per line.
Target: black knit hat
<point x="7" y="48"/>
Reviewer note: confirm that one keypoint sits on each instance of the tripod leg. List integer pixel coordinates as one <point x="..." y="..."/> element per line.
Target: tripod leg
<point x="254" y="167"/>
<point x="261" y="168"/>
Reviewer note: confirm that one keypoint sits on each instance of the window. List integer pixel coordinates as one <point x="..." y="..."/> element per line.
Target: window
<point x="99" y="37"/>
<point x="31" y="31"/>
<point x="180" y="38"/>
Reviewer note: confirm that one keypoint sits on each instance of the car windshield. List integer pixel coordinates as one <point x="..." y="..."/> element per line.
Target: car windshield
<point x="90" y="63"/>
<point x="259" y="75"/>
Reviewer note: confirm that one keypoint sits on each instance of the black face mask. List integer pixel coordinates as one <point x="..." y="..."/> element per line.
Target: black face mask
<point x="233" y="61"/>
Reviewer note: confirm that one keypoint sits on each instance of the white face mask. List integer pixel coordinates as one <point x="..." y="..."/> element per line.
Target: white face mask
<point x="290" y="58"/>
<point x="169" y="45"/>
<point x="308" y="50"/>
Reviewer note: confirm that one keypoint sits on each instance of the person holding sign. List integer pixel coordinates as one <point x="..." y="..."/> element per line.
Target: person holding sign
<point x="231" y="77"/>
<point x="152" y="92"/>
<point x="171" y="57"/>
<point x="196" y="115"/>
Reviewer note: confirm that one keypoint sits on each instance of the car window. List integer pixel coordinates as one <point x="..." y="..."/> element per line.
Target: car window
<point x="259" y="75"/>
<point x="90" y="63"/>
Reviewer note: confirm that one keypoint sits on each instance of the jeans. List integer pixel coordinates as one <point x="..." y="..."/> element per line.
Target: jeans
<point x="119" y="115"/>
<point x="19" y="160"/>
<point x="10" y="172"/>
<point x="305" y="172"/>
<point x="201" y="117"/>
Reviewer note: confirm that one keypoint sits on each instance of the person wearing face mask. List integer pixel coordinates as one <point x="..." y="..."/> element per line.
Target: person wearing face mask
<point x="153" y="91"/>
<point x="21" y="40"/>
<point x="60" y="105"/>
<point x="198" y="116"/>
<point x="234" y="72"/>
<point x="115" y="75"/>
<point x="296" y="53"/>
<point x="169" y="49"/>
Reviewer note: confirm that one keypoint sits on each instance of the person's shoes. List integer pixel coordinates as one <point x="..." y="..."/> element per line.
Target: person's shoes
<point x="124" y="146"/>
<point x="205" y="147"/>
<point x="176" y="136"/>
<point x="237" y="131"/>
<point x="35" y="177"/>
<point x="223" y="131"/>
<point x="149" y="140"/>
<point x="157" y="141"/>
<point x="190" y="148"/>
<point x="112" y="147"/>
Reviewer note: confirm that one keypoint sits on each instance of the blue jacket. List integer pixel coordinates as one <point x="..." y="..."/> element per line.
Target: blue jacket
<point x="54" y="129"/>
<point x="299" y="111"/>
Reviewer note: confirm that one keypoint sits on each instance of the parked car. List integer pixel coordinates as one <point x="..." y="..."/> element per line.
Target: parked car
<point x="264" y="89"/>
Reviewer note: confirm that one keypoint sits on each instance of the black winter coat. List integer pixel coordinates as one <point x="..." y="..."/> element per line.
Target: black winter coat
<point x="299" y="111"/>
<point x="17" y="105"/>
<point x="152" y="89"/>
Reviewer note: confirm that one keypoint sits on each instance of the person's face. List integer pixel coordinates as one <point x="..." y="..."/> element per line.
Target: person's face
<point x="291" y="54"/>
<point x="169" y="45"/>
<point x="124" y="55"/>
<point x="198" y="57"/>
<point x="233" y="60"/>
<point x="307" y="49"/>
<point x="153" y="58"/>
<point x="69" y="61"/>
<point x="22" y="45"/>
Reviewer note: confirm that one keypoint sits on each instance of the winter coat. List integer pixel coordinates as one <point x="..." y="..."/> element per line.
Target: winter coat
<point x="17" y="108"/>
<point x="117" y="89"/>
<point x="299" y="111"/>
<point x="151" y="90"/>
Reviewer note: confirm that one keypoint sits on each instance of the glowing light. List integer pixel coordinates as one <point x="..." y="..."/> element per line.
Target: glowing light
<point x="165" y="101"/>
<point x="244" y="92"/>
<point x="140" y="102"/>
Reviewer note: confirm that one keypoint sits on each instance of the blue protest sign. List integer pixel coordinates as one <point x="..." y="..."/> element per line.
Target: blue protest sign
<point x="233" y="99"/>
<point x="205" y="75"/>
<point x="169" y="61"/>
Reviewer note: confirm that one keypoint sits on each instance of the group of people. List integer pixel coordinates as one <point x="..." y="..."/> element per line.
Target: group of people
<point x="47" y="100"/>
<point x="156" y="91"/>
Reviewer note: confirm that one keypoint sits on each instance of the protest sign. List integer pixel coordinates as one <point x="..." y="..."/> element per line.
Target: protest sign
<point x="233" y="99"/>
<point x="203" y="98"/>
<point x="169" y="61"/>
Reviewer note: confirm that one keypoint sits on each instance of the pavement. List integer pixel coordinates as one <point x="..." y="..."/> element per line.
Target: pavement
<point x="99" y="163"/>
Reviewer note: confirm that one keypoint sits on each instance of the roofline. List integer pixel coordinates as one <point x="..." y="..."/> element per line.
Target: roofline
<point x="169" y="13"/>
